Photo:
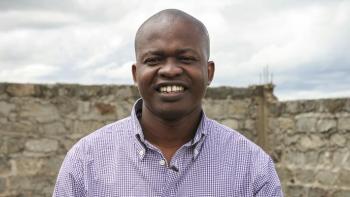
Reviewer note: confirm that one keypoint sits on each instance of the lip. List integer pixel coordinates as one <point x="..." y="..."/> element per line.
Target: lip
<point x="172" y="96"/>
<point x="170" y="83"/>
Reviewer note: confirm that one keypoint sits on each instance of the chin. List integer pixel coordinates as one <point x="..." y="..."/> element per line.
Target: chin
<point x="172" y="114"/>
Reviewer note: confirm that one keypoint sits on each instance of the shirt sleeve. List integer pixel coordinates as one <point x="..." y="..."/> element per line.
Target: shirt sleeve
<point x="70" y="177"/>
<point x="268" y="183"/>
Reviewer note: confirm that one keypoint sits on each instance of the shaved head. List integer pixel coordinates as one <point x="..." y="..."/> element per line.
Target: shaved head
<point x="169" y="17"/>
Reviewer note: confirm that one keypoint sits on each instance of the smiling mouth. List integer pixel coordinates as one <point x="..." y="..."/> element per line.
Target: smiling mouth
<point x="168" y="89"/>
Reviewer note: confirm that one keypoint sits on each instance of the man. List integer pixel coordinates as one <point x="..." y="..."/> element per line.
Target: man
<point x="168" y="147"/>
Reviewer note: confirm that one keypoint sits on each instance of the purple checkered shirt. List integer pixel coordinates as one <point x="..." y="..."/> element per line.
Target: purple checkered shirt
<point x="117" y="160"/>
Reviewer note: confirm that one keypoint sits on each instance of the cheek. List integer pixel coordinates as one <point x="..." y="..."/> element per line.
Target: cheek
<point x="145" y="76"/>
<point x="198" y="75"/>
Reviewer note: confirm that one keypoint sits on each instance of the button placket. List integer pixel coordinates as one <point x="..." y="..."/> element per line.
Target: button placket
<point x="173" y="174"/>
<point x="162" y="162"/>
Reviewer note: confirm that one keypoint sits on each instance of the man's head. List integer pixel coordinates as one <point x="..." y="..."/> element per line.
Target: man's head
<point x="169" y="15"/>
<point x="172" y="70"/>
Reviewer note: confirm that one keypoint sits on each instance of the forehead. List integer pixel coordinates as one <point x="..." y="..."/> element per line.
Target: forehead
<point x="171" y="35"/>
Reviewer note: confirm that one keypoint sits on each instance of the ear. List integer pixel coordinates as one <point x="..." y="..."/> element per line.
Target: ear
<point x="133" y="70"/>
<point x="211" y="70"/>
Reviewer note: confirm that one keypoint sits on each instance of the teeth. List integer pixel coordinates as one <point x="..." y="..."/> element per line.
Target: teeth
<point x="171" y="88"/>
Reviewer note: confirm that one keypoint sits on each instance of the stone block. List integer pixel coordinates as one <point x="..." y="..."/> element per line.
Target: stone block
<point x="20" y="183"/>
<point x="309" y="106"/>
<point x="347" y="105"/>
<point x="51" y="165"/>
<point x="24" y="128"/>
<point x="21" y="90"/>
<point x="123" y="109"/>
<point x="12" y="117"/>
<point x="3" y="121"/>
<point x="41" y="112"/>
<point x="340" y="156"/>
<point x="347" y="160"/>
<point x="286" y="124"/>
<point x="344" y="124"/>
<point x="295" y="158"/>
<point x="296" y="191"/>
<point x="325" y="158"/>
<point x="28" y="166"/>
<point x="332" y="105"/>
<point x="2" y="88"/>
<point x="343" y="178"/>
<point x="312" y="159"/>
<point x="291" y="140"/>
<point x="83" y="107"/>
<point x="292" y="107"/>
<point x="285" y="174"/>
<point x="273" y="125"/>
<point x="53" y="129"/>
<point x="221" y="109"/>
<point x="319" y="192"/>
<point x="338" y="140"/>
<point x="65" y="105"/>
<point x="5" y="165"/>
<point x="105" y="108"/>
<point x="326" y="177"/>
<point x="125" y="92"/>
<point x="213" y="108"/>
<point x="311" y="142"/>
<point x="232" y="123"/>
<point x="237" y="108"/>
<point x="31" y="185"/>
<point x="304" y="176"/>
<point x="6" y="108"/>
<point x="2" y="185"/>
<point x="68" y="143"/>
<point x="250" y="125"/>
<point x="326" y="125"/>
<point x="306" y="124"/>
<point x="342" y="193"/>
<point x="41" y="145"/>
<point x="12" y="145"/>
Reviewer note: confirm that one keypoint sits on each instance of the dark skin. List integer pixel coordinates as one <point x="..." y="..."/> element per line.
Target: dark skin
<point x="169" y="136"/>
<point x="171" y="51"/>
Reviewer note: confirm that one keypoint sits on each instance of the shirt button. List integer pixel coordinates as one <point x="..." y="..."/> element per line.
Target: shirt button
<point x="195" y="152"/>
<point x="142" y="152"/>
<point x="162" y="162"/>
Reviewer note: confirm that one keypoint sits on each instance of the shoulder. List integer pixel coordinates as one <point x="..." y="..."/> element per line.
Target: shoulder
<point x="109" y="135"/>
<point x="232" y="143"/>
<point x="244" y="158"/>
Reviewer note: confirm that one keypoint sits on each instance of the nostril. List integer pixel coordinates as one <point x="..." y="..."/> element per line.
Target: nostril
<point x="170" y="70"/>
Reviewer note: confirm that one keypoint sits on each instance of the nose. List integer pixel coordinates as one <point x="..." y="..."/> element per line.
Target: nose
<point x="170" y="69"/>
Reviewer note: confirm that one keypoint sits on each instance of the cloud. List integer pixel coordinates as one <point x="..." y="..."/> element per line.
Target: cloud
<point x="303" y="45"/>
<point x="27" y="73"/>
<point x="78" y="41"/>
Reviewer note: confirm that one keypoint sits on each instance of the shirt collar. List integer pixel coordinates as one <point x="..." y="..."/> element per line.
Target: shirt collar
<point x="138" y="135"/>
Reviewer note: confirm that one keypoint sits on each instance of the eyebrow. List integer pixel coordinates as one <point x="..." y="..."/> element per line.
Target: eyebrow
<point x="152" y="52"/>
<point x="180" y="51"/>
<point x="161" y="53"/>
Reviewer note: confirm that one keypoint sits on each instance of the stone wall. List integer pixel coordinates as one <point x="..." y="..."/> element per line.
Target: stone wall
<point x="309" y="140"/>
<point x="310" y="143"/>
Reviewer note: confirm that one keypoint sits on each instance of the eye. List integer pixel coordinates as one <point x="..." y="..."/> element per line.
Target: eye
<point x="153" y="61"/>
<point x="187" y="59"/>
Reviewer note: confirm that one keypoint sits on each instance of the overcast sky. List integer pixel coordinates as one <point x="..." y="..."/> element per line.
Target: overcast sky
<point x="306" y="44"/>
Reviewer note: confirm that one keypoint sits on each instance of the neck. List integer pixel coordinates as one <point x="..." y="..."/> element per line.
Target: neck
<point x="169" y="135"/>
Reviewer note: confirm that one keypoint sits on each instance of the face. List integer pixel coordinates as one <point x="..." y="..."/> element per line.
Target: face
<point x="172" y="70"/>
